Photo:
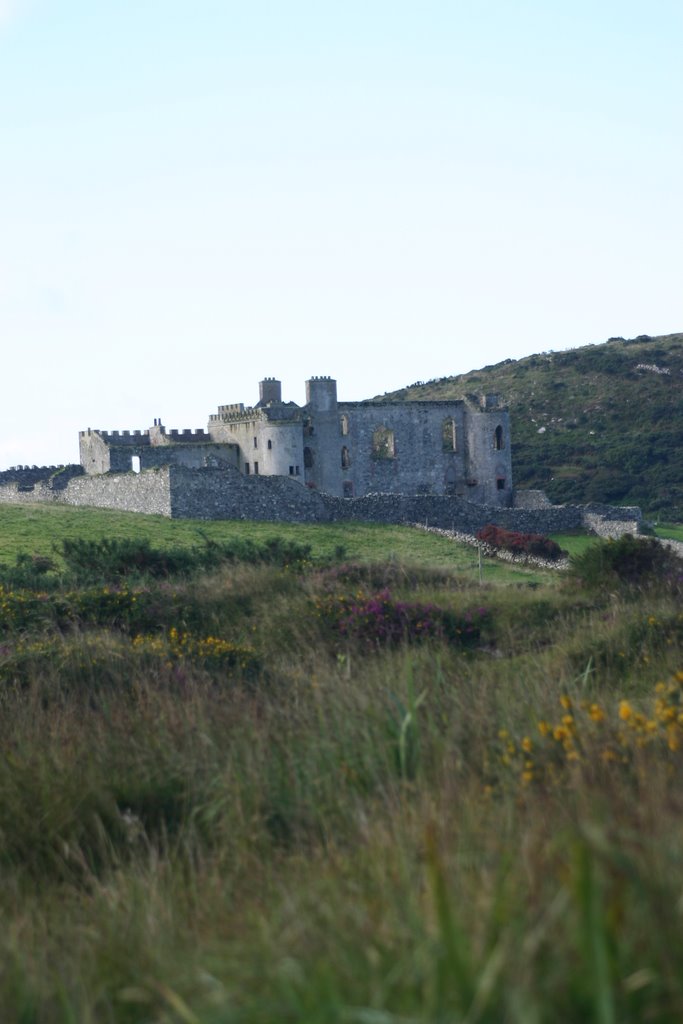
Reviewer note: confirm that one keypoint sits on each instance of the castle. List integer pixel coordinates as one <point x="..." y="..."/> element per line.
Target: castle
<point x="444" y="464"/>
<point x="345" y="449"/>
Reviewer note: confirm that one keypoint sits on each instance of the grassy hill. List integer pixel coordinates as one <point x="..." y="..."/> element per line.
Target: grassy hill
<point x="597" y="423"/>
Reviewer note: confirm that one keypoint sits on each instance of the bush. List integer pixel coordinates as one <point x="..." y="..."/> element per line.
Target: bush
<point x="627" y="562"/>
<point x="112" y="559"/>
<point x="521" y="543"/>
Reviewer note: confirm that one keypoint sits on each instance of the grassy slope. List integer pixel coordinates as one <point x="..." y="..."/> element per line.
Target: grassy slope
<point x="609" y="432"/>
<point x="37" y="529"/>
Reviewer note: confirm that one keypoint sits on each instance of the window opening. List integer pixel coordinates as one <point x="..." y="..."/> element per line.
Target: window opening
<point x="344" y="425"/>
<point x="270" y="444"/>
<point x="348" y="488"/>
<point x="498" y="441"/>
<point x="345" y="458"/>
<point x="383" y="446"/>
<point x="256" y="442"/>
<point x="135" y="463"/>
<point x="500" y="483"/>
<point x="291" y="470"/>
<point x="449" y="435"/>
<point x="256" y="469"/>
<point x="308" y="458"/>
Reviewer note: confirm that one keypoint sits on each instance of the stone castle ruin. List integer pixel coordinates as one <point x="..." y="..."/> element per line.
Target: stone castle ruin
<point x="345" y="449"/>
<point x="443" y="463"/>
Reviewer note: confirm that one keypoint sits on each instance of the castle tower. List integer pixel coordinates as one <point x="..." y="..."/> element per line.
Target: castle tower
<point x="321" y="395"/>
<point x="270" y="390"/>
<point x="322" y="462"/>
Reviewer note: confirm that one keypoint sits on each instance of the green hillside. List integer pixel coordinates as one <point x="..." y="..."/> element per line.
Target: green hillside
<point x="597" y="423"/>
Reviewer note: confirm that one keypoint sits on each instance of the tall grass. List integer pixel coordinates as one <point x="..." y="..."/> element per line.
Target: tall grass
<point x="342" y="831"/>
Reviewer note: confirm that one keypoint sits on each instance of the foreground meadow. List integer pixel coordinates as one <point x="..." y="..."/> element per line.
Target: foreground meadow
<point x="248" y="778"/>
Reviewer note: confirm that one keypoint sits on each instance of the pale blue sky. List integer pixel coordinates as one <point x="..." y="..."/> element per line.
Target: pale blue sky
<point x="197" y="195"/>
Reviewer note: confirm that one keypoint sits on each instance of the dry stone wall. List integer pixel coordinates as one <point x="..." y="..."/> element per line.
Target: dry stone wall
<point x="225" y="493"/>
<point x="221" y="494"/>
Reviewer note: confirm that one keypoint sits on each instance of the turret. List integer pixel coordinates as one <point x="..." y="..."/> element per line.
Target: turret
<point x="270" y="390"/>
<point x="321" y="394"/>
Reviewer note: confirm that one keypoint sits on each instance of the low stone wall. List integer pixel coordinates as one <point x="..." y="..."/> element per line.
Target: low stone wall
<point x="493" y="552"/>
<point x="449" y="513"/>
<point x="606" y="527"/>
<point x="148" y="493"/>
<point x="224" y="493"/>
<point x="227" y="494"/>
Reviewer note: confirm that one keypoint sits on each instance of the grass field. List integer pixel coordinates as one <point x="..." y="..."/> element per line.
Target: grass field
<point x="38" y="530"/>
<point x="670" y="531"/>
<point x="296" y="788"/>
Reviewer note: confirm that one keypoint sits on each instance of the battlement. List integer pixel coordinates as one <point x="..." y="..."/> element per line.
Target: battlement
<point x="235" y="413"/>
<point x="118" y="437"/>
<point x="188" y="435"/>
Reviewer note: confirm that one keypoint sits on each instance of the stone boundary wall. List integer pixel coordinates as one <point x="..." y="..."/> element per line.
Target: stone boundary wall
<point x="148" y="492"/>
<point x="449" y="513"/>
<point x="493" y="552"/>
<point x="228" y="494"/>
<point x="608" y="527"/>
<point x="224" y="493"/>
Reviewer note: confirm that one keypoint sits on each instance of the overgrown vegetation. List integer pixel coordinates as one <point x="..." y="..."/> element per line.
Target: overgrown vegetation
<point x="292" y="787"/>
<point x="574" y="432"/>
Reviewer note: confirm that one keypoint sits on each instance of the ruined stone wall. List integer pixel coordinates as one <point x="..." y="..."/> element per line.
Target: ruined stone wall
<point x="26" y="477"/>
<point x="388" y="448"/>
<point x="488" y="456"/>
<point x="94" y="452"/>
<point x="148" y="492"/>
<point x="450" y="513"/>
<point x="224" y="493"/>
<point x="114" y="452"/>
<point x="220" y="494"/>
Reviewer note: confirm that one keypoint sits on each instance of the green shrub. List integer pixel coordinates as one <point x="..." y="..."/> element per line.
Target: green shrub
<point x="629" y="562"/>
<point x="112" y="559"/>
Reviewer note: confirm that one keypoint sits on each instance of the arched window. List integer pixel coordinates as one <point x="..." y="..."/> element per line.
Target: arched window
<point x="383" y="446"/>
<point x="345" y="458"/>
<point x="344" y="425"/>
<point x="135" y="463"/>
<point x="308" y="458"/>
<point x="498" y="439"/>
<point x="448" y="435"/>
